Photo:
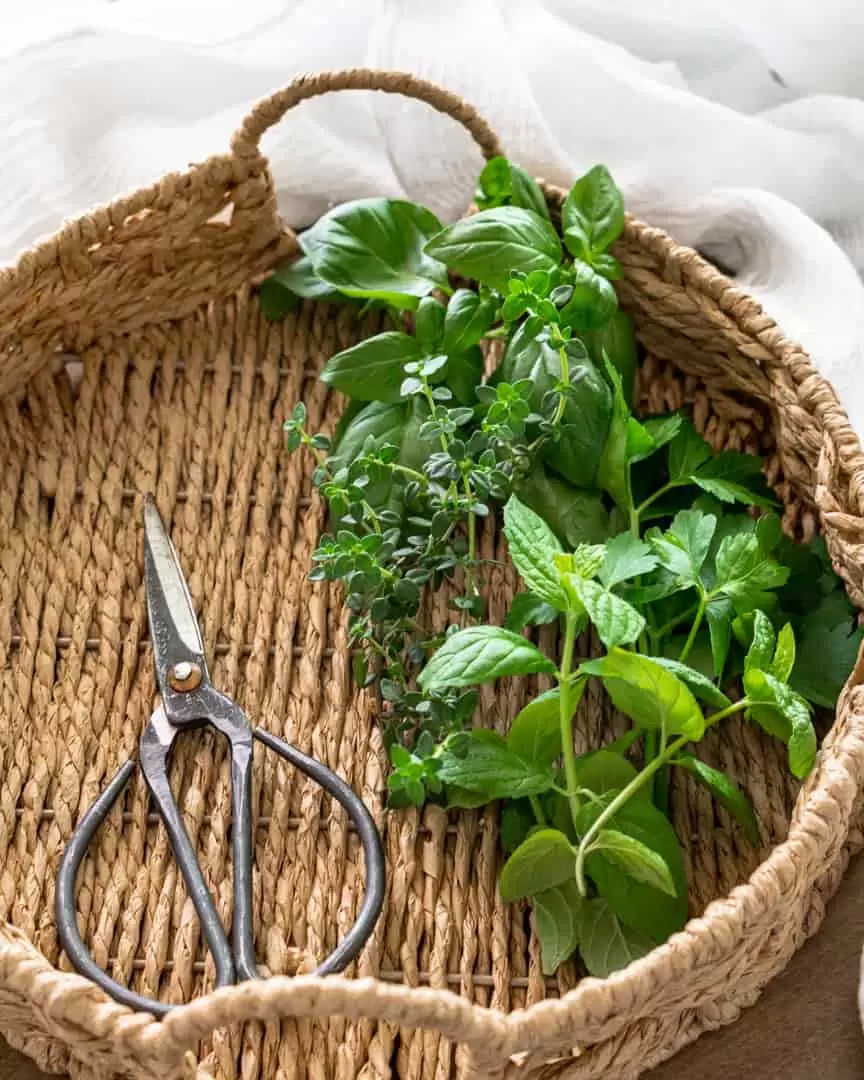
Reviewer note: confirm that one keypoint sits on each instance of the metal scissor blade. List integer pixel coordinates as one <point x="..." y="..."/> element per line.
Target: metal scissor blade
<point x="173" y="626"/>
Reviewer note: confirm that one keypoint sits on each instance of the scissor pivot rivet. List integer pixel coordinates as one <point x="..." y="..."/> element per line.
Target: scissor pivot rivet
<point x="184" y="676"/>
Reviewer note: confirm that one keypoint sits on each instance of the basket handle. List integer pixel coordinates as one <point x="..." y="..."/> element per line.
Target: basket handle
<point x="245" y="142"/>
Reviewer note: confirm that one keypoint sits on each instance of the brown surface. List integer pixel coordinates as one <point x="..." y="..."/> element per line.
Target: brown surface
<point x="804" y="1027"/>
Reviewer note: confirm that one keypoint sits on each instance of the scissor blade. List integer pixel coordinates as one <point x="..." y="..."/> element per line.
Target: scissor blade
<point x="173" y="626"/>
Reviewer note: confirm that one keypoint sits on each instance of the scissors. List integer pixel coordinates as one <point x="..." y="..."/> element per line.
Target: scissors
<point x="188" y="701"/>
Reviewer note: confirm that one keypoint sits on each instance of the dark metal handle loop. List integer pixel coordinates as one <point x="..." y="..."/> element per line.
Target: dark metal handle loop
<point x="65" y="904"/>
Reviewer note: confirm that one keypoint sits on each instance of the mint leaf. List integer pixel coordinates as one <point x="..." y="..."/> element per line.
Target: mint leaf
<point x="687" y="452"/>
<point x="544" y="860"/>
<point x="636" y="859"/>
<point x="467" y="320"/>
<point x="533" y="547"/>
<point x="463" y="799"/>
<point x="374" y="369"/>
<point x="374" y="248"/>
<point x="592" y="216"/>
<point x="774" y="700"/>
<point x="626" y="558"/>
<point x="648" y="693"/>
<point x="761" y="652"/>
<point x="535" y="733"/>
<point x="784" y="656"/>
<point x="529" y="610"/>
<point x="640" y="906"/>
<point x="606" y="945"/>
<point x="479" y="654"/>
<point x="491" y="245"/>
<point x="556" y="920"/>
<point x="603" y="770"/>
<point x="734" y="477"/>
<point x="725" y="791"/>
<point x="744" y="573"/>
<point x="700" y="684"/>
<point x="616" y="622"/>
<point x="495" y="770"/>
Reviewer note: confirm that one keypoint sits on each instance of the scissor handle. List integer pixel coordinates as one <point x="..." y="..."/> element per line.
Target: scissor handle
<point x="338" y="960"/>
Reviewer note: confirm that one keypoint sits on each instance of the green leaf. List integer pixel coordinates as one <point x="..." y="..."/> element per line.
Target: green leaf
<point x="593" y="301"/>
<point x="495" y="770"/>
<point x="718" y="614"/>
<point x="606" y="945"/>
<point x="616" y="621"/>
<point x="682" y="550"/>
<point x="734" y="477"/>
<point x="463" y="799"/>
<point x="784" y="656"/>
<point x="700" y="684"/>
<point x="615" y="341"/>
<point x="613" y="471"/>
<point x="636" y="859"/>
<point x="827" y="653"/>
<point x="544" y="860"/>
<point x="468" y="319"/>
<point x="585" y="562"/>
<point x="482" y="653"/>
<point x="761" y="651"/>
<point x="529" y="610"/>
<point x="687" y="452"/>
<point x="464" y="373"/>
<point x="491" y="245"/>
<point x="300" y="278"/>
<point x="725" y="791"/>
<point x="603" y="770"/>
<point x="585" y="421"/>
<point x="556" y="920"/>
<point x="771" y="694"/>
<point x="626" y="558"/>
<point x="661" y="430"/>
<point x="275" y="299"/>
<point x="535" y="733"/>
<point x="744" y="573"/>
<point x="639" y="442"/>
<point x="502" y="183"/>
<point x="533" y="547"/>
<point x="517" y="820"/>
<point x="374" y="248"/>
<point x="640" y="906"/>
<point x="575" y="516"/>
<point x="374" y="369"/>
<point x="648" y="693"/>
<point x="429" y="323"/>
<point x="592" y="216"/>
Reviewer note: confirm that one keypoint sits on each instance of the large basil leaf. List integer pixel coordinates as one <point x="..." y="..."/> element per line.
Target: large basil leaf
<point x="575" y="516"/>
<point x="585" y="423"/>
<point x="375" y="248"/>
<point x="615" y="340"/>
<point x="373" y="370"/>
<point x="468" y="319"/>
<point x="592" y="216"/>
<point x="490" y="245"/>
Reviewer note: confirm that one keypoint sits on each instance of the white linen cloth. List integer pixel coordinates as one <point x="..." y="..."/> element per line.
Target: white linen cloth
<point x="737" y="127"/>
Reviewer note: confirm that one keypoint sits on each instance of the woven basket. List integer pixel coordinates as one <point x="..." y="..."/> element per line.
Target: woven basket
<point x="184" y="389"/>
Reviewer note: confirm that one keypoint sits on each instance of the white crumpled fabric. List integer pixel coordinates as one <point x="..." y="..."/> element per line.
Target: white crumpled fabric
<point x="738" y="127"/>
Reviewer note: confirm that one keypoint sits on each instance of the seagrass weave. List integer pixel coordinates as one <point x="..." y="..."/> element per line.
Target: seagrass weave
<point x="183" y="393"/>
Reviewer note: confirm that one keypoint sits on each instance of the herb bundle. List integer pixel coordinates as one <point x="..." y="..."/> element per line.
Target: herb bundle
<point x="626" y="526"/>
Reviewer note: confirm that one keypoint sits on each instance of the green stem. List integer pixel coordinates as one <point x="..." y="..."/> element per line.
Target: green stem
<point x="643" y="506"/>
<point x="637" y="782"/>
<point x="538" y="811"/>
<point x="694" y="629"/>
<point x="565" y="379"/>
<point x="410" y="473"/>
<point x="565" y="716"/>
<point x="661" y="631"/>
<point x="376" y="524"/>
